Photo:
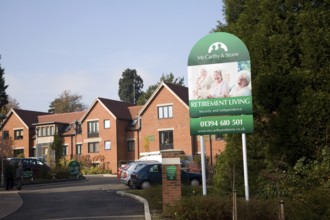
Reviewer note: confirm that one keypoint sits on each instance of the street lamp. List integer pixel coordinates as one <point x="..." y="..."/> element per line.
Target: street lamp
<point x="2" y="117"/>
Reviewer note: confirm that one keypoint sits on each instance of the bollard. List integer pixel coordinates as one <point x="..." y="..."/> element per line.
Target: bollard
<point x="281" y="217"/>
<point x="234" y="205"/>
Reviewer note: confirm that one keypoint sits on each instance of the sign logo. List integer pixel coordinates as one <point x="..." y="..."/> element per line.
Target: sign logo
<point x="217" y="46"/>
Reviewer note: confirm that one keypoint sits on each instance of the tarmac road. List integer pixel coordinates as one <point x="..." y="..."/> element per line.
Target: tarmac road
<point x="95" y="198"/>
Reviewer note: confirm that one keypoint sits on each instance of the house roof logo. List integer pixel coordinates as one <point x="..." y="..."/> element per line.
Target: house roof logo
<point x="217" y="46"/>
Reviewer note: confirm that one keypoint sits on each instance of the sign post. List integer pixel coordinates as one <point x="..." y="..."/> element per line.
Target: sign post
<point x="220" y="97"/>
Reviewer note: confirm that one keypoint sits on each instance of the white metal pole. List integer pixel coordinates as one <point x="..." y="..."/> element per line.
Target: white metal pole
<point x="203" y="164"/>
<point x="246" y="177"/>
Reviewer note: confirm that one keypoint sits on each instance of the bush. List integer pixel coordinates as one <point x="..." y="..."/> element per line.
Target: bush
<point x="200" y="207"/>
<point x="257" y="209"/>
<point x="314" y="204"/>
<point x="62" y="172"/>
<point x="94" y="170"/>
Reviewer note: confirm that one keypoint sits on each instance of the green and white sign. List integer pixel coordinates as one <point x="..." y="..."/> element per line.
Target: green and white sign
<point x="219" y="47"/>
<point x="171" y="172"/>
<point x="223" y="106"/>
<point x="221" y="125"/>
<point x="219" y="81"/>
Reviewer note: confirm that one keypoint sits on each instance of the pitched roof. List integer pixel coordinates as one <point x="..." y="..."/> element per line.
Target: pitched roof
<point x="67" y="118"/>
<point x="117" y="109"/>
<point x="28" y="117"/>
<point x="134" y="110"/>
<point x="178" y="91"/>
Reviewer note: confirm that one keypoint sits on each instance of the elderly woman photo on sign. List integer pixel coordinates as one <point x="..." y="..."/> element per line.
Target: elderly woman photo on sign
<point x="203" y="84"/>
<point x="219" y="87"/>
<point x="241" y="88"/>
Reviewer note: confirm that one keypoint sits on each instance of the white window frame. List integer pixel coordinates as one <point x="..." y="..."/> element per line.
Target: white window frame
<point x="107" y="145"/>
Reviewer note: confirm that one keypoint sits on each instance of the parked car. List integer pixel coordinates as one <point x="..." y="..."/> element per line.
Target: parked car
<point x="120" y="170"/>
<point x="125" y="177"/>
<point x="32" y="167"/>
<point x="151" y="174"/>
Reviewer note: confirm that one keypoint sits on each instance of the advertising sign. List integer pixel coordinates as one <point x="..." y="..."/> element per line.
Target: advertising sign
<point x="219" y="77"/>
<point x="219" y="81"/>
<point x="220" y="97"/>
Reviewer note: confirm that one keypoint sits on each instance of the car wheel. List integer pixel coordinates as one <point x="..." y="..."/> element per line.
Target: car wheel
<point x="194" y="182"/>
<point x="145" y="185"/>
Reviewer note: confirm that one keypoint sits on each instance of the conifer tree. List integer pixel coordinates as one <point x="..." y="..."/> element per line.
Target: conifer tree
<point x="3" y="87"/>
<point x="289" y="49"/>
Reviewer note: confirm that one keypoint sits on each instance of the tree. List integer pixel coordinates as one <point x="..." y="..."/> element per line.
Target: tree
<point x="288" y="43"/>
<point x="3" y="87"/>
<point x="130" y="86"/>
<point x="67" y="102"/>
<point x="57" y="146"/>
<point x="168" y="78"/>
<point x="12" y="103"/>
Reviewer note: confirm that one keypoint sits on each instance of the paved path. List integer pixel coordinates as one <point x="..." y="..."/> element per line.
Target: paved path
<point x="10" y="201"/>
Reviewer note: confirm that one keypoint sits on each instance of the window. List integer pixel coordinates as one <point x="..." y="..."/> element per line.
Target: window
<point x="155" y="168"/>
<point x="131" y="145"/>
<point x="78" y="149"/>
<point x="18" y="134"/>
<point x="18" y="152"/>
<point x="51" y="130"/>
<point x="107" y="123"/>
<point x="166" y="140"/>
<point x="165" y="111"/>
<point x="65" y="150"/>
<point x="5" y="134"/>
<point x="93" y="147"/>
<point x="107" y="145"/>
<point x="218" y="137"/>
<point x="43" y="132"/>
<point x="47" y="131"/>
<point x="93" y="129"/>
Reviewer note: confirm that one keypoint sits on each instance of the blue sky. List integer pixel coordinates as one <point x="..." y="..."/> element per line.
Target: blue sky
<point x="48" y="46"/>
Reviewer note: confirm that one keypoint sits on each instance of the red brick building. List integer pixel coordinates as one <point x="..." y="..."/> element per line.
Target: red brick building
<point x="110" y="132"/>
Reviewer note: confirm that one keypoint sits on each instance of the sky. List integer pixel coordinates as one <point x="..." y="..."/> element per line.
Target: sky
<point x="49" y="46"/>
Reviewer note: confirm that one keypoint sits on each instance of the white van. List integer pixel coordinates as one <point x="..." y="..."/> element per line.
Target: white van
<point x="151" y="156"/>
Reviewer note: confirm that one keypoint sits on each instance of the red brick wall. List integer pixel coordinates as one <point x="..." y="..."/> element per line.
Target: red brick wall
<point x="171" y="188"/>
<point x="13" y="122"/>
<point x="179" y="123"/>
<point x="105" y="134"/>
<point x="212" y="147"/>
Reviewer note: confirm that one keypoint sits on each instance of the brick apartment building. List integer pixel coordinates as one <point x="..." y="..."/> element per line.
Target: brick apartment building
<point x="110" y="132"/>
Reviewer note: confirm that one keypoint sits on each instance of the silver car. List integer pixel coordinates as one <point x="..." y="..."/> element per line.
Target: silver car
<point x="132" y="167"/>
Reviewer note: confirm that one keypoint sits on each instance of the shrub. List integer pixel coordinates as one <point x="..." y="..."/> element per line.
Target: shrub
<point x="314" y="204"/>
<point x="94" y="170"/>
<point x="200" y="207"/>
